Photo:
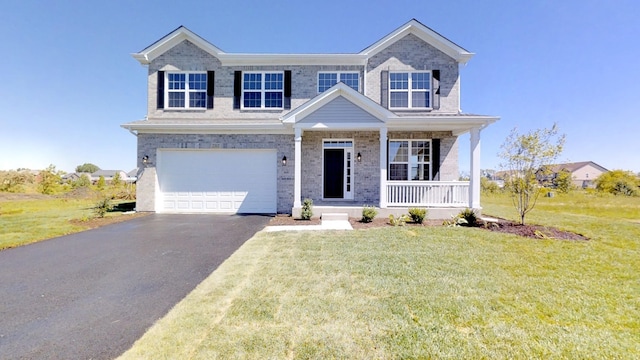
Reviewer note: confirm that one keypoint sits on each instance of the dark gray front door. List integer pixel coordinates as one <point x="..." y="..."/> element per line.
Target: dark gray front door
<point x="333" y="173"/>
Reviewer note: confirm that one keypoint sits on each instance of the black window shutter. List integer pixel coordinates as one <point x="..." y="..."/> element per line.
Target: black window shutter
<point x="211" y="76"/>
<point x="160" y="89"/>
<point x="384" y="89"/>
<point x="436" y="89"/>
<point x="287" y="89"/>
<point x="435" y="159"/>
<point x="237" y="89"/>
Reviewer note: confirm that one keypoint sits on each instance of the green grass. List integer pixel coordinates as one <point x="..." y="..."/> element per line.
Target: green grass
<point x="26" y="221"/>
<point x="433" y="292"/>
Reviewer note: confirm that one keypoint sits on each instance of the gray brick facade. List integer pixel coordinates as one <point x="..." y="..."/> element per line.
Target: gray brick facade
<point x="216" y="128"/>
<point x="411" y="53"/>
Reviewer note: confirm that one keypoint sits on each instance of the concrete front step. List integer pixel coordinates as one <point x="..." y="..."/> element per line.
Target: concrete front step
<point x="334" y="216"/>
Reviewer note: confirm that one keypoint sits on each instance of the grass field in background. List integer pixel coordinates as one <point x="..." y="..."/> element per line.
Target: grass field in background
<point x="28" y="220"/>
<point x="430" y="292"/>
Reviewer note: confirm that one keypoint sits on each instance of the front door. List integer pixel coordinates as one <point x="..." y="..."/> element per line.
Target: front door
<point x="333" y="173"/>
<point x="337" y="169"/>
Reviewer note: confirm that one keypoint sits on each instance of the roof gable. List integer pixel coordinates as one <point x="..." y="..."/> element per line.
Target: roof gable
<point x="573" y="167"/>
<point x="148" y="54"/>
<point x="424" y="33"/>
<point x="337" y="110"/>
<point x="339" y="90"/>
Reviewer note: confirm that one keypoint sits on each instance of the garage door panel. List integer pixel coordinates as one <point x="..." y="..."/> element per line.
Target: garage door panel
<point x="218" y="181"/>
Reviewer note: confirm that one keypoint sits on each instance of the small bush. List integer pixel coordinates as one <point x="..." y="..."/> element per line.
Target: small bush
<point x="398" y="221"/>
<point x="368" y="213"/>
<point x="466" y="217"/>
<point x="469" y="216"/>
<point x="103" y="207"/>
<point x="307" y="209"/>
<point x="455" y="221"/>
<point x="417" y="215"/>
<point x="489" y="187"/>
<point x="619" y="182"/>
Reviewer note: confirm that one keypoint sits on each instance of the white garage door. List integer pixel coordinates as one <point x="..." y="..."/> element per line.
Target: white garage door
<point x="229" y="181"/>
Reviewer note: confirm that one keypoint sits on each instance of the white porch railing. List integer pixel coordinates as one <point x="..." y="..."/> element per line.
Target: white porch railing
<point x="428" y="193"/>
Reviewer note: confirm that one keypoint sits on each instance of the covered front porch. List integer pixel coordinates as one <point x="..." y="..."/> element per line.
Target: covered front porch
<point x="442" y="198"/>
<point x="406" y="161"/>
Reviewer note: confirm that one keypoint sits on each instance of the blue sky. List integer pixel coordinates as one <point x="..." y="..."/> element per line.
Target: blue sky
<point x="69" y="81"/>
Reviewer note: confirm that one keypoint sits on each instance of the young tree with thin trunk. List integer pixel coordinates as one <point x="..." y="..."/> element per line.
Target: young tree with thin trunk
<point x="523" y="156"/>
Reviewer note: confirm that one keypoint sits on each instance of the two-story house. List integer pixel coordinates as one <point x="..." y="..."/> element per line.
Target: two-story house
<point x="258" y="133"/>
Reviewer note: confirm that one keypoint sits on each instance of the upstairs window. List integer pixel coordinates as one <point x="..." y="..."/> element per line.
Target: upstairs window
<point x="409" y="160"/>
<point x="410" y="90"/>
<point x="328" y="79"/>
<point x="186" y="90"/>
<point x="262" y="90"/>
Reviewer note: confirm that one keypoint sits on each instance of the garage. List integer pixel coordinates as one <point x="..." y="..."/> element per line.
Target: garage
<point x="217" y="181"/>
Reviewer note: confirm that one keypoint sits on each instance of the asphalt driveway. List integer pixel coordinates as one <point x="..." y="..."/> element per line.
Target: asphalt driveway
<point x="90" y="295"/>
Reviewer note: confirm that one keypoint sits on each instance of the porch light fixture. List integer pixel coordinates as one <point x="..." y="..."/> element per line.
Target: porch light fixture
<point x="284" y="161"/>
<point x="359" y="157"/>
<point x="145" y="159"/>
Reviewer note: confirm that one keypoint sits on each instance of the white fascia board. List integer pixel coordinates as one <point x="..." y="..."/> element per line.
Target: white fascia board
<point x="248" y="128"/>
<point x="456" y="124"/>
<point x="427" y="35"/>
<point x="291" y="59"/>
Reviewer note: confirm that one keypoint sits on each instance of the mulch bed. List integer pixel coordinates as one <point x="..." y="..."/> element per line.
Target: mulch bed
<point x="502" y="225"/>
<point x="532" y="231"/>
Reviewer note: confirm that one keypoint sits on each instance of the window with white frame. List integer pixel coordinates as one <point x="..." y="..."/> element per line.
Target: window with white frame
<point x="328" y="79"/>
<point x="262" y="90"/>
<point x="410" y="90"/>
<point x="409" y="160"/>
<point x="186" y="90"/>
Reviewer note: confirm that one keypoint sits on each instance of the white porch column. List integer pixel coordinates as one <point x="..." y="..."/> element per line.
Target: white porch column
<point x="297" y="171"/>
<point x="474" y="186"/>
<point x="383" y="168"/>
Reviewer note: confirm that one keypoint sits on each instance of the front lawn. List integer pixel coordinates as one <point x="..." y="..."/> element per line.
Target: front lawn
<point x="420" y="292"/>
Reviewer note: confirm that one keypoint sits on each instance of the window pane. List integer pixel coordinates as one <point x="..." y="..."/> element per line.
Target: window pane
<point x="397" y="171"/>
<point x="198" y="99"/>
<point x="420" y="151"/>
<point x="420" y="99"/>
<point x="197" y="81"/>
<point x="176" y="81"/>
<point x="398" y="151"/>
<point x="326" y="80"/>
<point x="399" y="99"/>
<point x="399" y="81"/>
<point x="273" y="81"/>
<point x="420" y="172"/>
<point x="273" y="99"/>
<point x="420" y="81"/>
<point x="252" y="81"/>
<point x="351" y="80"/>
<point x="252" y="99"/>
<point x="176" y="99"/>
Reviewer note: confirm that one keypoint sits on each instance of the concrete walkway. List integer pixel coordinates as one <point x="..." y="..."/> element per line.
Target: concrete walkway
<point x="329" y="222"/>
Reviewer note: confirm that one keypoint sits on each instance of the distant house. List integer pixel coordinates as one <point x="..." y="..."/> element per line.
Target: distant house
<point x="74" y="176"/>
<point x="108" y="175"/>
<point x="582" y="173"/>
<point x="133" y="175"/>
